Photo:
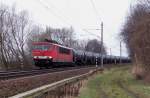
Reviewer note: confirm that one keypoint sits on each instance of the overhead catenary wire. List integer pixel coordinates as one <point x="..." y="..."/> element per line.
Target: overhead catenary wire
<point x="48" y="8"/>
<point x="58" y="10"/>
<point x="61" y="17"/>
<point x="65" y="19"/>
<point x="99" y="18"/>
<point x="96" y="11"/>
<point x="91" y="33"/>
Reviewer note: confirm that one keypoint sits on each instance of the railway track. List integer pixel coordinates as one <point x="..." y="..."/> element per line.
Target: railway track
<point x="5" y="75"/>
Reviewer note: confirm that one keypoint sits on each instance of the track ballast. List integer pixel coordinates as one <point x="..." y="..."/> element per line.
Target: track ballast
<point x="5" y="75"/>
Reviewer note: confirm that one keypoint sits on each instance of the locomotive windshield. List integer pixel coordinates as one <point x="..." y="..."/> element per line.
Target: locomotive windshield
<point x="41" y="47"/>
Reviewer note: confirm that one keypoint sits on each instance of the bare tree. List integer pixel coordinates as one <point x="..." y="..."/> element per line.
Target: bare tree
<point x="35" y="35"/>
<point x="14" y="29"/>
<point x="95" y="46"/>
<point x="3" y="13"/>
<point x="136" y="34"/>
<point x="63" y="36"/>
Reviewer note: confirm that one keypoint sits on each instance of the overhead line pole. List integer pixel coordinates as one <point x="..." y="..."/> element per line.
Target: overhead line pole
<point x="101" y="48"/>
<point x="110" y="52"/>
<point x="120" y="51"/>
<point x="102" y="44"/>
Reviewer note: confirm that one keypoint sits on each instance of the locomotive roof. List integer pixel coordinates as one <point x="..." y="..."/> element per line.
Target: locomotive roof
<point x="49" y="43"/>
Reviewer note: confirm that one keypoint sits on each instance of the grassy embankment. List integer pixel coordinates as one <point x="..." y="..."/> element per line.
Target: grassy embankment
<point x="115" y="83"/>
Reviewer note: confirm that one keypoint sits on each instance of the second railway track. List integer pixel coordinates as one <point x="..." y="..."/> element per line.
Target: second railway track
<point x="5" y="75"/>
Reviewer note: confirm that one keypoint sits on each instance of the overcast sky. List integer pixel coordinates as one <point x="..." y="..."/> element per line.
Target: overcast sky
<point x="81" y="15"/>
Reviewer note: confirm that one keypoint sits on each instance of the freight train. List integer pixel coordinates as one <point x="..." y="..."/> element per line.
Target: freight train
<point x="48" y="54"/>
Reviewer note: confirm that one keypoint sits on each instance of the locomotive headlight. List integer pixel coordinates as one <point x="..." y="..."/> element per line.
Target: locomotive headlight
<point x="49" y="57"/>
<point x="35" y="57"/>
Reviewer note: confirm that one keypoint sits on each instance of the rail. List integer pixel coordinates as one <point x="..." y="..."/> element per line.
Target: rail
<point x="35" y="93"/>
<point x="16" y="74"/>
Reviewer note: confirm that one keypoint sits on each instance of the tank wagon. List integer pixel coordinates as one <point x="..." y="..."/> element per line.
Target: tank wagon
<point x="47" y="54"/>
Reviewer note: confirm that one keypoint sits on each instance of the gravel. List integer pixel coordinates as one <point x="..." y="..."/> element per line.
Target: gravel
<point x="14" y="86"/>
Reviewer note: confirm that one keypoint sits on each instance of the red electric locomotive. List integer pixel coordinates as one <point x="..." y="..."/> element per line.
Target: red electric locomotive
<point x="46" y="54"/>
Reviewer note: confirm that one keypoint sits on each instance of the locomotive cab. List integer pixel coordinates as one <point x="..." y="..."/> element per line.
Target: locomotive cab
<point x="42" y="54"/>
<point x="47" y="54"/>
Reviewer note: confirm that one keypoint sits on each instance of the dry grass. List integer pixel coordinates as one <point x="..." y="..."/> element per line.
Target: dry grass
<point x="115" y="83"/>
